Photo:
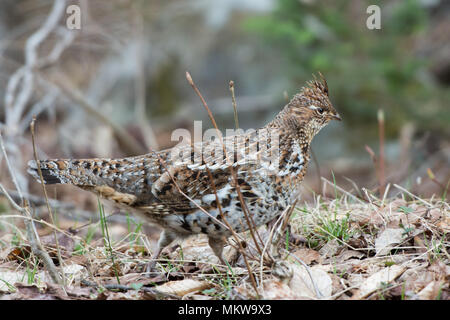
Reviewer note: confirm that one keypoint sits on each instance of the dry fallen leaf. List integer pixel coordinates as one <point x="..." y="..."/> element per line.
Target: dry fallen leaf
<point x="441" y="269"/>
<point x="198" y="249"/>
<point x="75" y="272"/>
<point x="385" y="241"/>
<point x="66" y="244"/>
<point x="330" y="249"/>
<point x="307" y="255"/>
<point x="444" y="225"/>
<point x="276" y="290"/>
<point x="357" y="242"/>
<point x="374" y="282"/>
<point x="431" y="291"/>
<point x="420" y="245"/>
<point x="32" y="292"/>
<point x="143" y="279"/>
<point x="348" y="254"/>
<point x="183" y="287"/>
<point x="17" y="253"/>
<point x="8" y="278"/>
<point x="302" y="286"/>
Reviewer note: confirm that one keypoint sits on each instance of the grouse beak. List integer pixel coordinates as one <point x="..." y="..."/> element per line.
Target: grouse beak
<point x="336" y="117"/>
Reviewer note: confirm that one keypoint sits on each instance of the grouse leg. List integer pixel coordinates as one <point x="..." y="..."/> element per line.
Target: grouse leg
<point x="217" y="245"/>
<point x="166" y="238"/>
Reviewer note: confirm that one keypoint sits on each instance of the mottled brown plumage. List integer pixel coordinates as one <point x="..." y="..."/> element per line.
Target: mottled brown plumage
<point x="173" y="188"/>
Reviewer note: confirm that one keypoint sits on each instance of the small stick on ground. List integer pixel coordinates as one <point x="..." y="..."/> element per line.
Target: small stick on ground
<point x="155" y="294"/>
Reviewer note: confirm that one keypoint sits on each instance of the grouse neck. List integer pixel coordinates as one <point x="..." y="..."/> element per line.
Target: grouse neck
<point x="286" y="124"/>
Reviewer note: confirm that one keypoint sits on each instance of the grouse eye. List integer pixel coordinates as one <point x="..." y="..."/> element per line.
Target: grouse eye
<point x="320" y="110"/>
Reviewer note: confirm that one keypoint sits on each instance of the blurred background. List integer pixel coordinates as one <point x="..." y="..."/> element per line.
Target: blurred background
<point x="116" y="86"/>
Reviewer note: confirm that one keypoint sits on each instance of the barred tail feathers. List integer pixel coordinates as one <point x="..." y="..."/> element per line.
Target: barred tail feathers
<point x="62" y="171"/>
<point x="125" y="175"/>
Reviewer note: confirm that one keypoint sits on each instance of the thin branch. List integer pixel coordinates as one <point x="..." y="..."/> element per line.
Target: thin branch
<point x="382" y="176"/>
<point x="33" y="237"/>
<point x="250" y="222"/>
<point x="11" y="171"/>
<point x="233" y="99"/>
<point x="156" y="294"/>
<point x="44" y="190"/>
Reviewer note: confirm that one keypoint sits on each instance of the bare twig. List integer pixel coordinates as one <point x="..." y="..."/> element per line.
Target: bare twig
<point x="286" y="96"/>
<point x="44" y="190"/>
<point x="33" y="237"/>
<point x="382" y="176"/>
<point x="248" y="218"/>
<point x="156" y="294"/>
<point x="233" y="99"/>
<point x="15" y="104"/>
<point x="10" y="168"/>
<point x="250" y="222"/>
<point x="21" y="84"/>
<point x="234" y="234"/>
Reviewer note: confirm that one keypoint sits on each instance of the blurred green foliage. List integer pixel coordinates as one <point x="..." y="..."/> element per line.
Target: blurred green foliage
<point x="366" y="69"/>
<point x="162" y="93"/>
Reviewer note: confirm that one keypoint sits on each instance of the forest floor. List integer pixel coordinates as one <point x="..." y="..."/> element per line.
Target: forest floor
<point x="349" y="247"/>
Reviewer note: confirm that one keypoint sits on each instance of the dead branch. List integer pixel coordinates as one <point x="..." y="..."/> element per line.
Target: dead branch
<point x="154" y="293"/>
<point x="21" y="84"/>
<point x="250" y="222"/>
<point x="58" y="251"/>
<point x="33" y="237"/>
<point x="233" y="99"/>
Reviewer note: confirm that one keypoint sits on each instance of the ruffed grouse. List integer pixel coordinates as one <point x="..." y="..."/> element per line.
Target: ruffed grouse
<point x="195" y="191"/>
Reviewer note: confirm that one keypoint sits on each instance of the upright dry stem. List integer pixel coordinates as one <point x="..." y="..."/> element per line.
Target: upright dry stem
<point x="33" y="237"/>
<point x="44" y="190"/>
<point x="382" y="177"/>
<point x="233" y="98"/>
<point x="250" y="222"/>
